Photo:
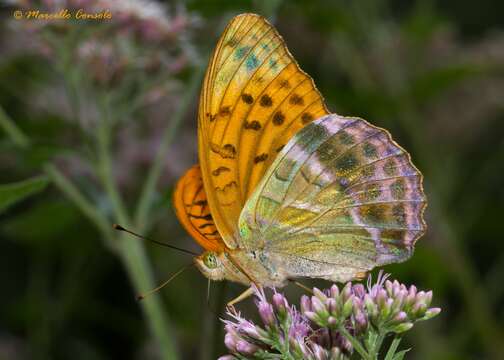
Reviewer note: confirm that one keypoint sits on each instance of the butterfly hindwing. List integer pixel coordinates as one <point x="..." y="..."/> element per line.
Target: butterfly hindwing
<point x="191" y="207"/>
<point x="340" y="199"/>
<point x="254" y="99"/>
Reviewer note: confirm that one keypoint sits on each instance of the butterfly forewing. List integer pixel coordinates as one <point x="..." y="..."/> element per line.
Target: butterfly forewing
<point x="340" y="199"/>
<point x="254" y="99"/>
<point x="192" y="210"/>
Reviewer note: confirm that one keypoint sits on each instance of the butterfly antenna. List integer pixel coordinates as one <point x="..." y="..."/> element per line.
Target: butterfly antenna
<point x="177" y="273"/>
<point x="120" y="228"/>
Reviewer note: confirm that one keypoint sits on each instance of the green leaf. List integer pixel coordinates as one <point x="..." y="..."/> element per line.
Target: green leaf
<point x="391" y="355"/>
<point x="400" y="355"/>
<point x="15" y="192"/>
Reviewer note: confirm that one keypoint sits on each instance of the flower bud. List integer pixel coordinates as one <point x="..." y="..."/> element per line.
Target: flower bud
<point x="332" y="306"/>
<point x="230" y="341"/>
<point x="320" y="295"/>
<point x="266" y="313"/>
<point x="319" y="307"/>
<point x="246" y="348"/>
<point x="386" y="310"/>
<point x="334" y="291"/>
<point x="428" y="298"/>
<point x="347" y="307"/>
<point x="280" y="303"/>
<point x="430" y="313"/>
<point x="396" y="287"/>
<point x="371" y="307"/>
<point x="361" y="322"/>
<point x="347" y="291"/>
<point x="359" y="291"/>
<point x="409" y="301"/>
<point x="381" y="298"/>
<point x="247" y="328"/>
<point x="332" y="322"/>
<point x="419" y="309"/>
<point x="313" y="317"/>
<point x="388" y="287"/>
<point x="420" y="296"/>
<point x="305" y="304"/>
<point x="397" y="302"/>
<point x="357" y="304"/>
<point x="402" y="327"/>
<point x="400" y="317"/>
<point x="229" y="327"/>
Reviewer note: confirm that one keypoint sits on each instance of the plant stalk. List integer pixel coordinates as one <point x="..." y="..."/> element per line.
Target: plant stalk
<point x="11" y="129"/>
<point x="149" y="187"/>
<point x="355" y="343"/>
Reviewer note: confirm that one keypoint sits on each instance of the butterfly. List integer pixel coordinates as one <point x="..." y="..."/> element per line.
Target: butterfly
<point x="284" y="189"/>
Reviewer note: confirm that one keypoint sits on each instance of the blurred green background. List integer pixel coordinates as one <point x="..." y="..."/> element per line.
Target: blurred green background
<point x="98" y="120"/>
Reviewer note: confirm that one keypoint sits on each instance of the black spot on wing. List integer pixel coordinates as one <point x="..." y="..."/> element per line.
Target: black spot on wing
<point x="260" y="158"/>
<point x="204" y="217"/>
<point x="266" y="101"/>
<point x="278" y="118"/>
<point x="247" y="98"/>
<point x="284" y="84"/>
<point x="306" y="118"/>
<point x="252" y="125"/>
<point x="220" y="170"/>
<point x="225" y="111"/>
<point x="296" y="100"/>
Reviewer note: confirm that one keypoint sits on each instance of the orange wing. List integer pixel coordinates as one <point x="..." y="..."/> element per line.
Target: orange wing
<point x="192" y="210"/>
<point x="254" y="99"/>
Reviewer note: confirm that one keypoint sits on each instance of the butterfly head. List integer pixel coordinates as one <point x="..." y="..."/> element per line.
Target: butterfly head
<point x="227" y="266"/>
<point x="210" y="264"/>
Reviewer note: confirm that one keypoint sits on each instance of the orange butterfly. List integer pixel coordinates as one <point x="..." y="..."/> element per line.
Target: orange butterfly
<point x="262" y="223"/>
<point x="250" y="107"/>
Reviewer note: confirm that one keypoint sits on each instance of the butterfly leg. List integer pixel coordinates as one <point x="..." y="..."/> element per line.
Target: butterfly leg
<point x="304" y="287"/>
<point x="242" y="296"/>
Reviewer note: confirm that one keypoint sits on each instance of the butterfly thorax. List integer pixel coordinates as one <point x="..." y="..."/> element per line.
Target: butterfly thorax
<point x="243" y="266"/>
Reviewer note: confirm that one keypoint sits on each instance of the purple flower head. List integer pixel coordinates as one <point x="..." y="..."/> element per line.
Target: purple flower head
<point x="266" y="310"/>
<point x="299" y="328"/>
<point x="280" y="302"/>
<point x="321" y="329"/>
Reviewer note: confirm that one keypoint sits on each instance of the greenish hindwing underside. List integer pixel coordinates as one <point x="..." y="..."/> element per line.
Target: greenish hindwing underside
<point x="340" y="198"/>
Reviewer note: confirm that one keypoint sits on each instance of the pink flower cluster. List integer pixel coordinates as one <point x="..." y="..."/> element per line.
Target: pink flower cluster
<point x="329" y="321"/>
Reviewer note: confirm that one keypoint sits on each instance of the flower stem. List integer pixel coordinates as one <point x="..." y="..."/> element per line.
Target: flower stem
<point x="355" y="343"/>
<point x="11" y="129"/>
<point x="131" y="251"/>
<point x="66" y="186"/>
<point x="375" y="346"/>
<point x="137" y="265"/>
<point x="149" y="187"/>
<point x="106" y="175"/>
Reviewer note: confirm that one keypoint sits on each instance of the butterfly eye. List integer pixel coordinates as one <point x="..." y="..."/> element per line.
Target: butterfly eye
<point x="210" y="260"/>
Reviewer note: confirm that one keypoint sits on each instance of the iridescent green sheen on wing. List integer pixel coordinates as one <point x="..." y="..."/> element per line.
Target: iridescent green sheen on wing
<point x="340" y="199"/>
